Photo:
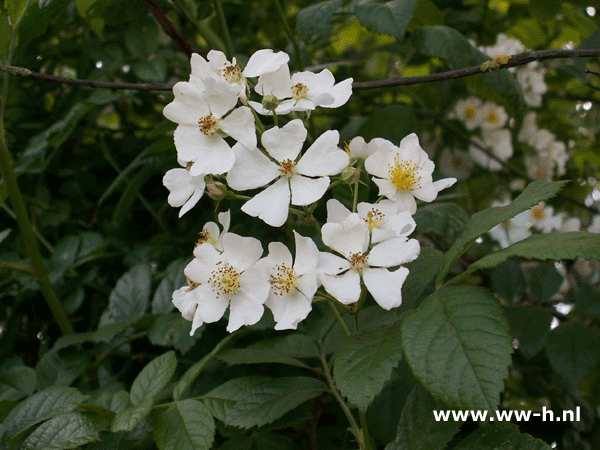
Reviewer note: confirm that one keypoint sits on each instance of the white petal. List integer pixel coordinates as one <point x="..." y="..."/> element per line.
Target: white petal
<point x="331" y="264"/>
<point x="277" y="83"/>
<point x="344" y="288"/>
<point x="286" y="142"/>
<point x="189" y="105"/>
<point x="394" y="252"/>
<point x="185" y="301"/>
<point x="307" y="254"/>
<point x="222" y="96"/>
<point x="289" y="310"/>
<point x="440" y="185"/>
<point x="178" y="182"/>
<point x="410" y="150"/>
<point x="324" y="157"/>
<point x="336" y="212"/>
<point x="198" y="192"/>
<point x="225" y="220"/>
<point x="386" y="188"/>
<point x="213" y="306"/>
<point x="341" y="93"/>
<point x="247" y="306"/>
<point x="307" y="190"/>
<point x="379" y="163"/>
<point x="271" y="205"/>
<point x="348" y="238"/>
<point x="385" y="286"/>
<point x="278" y="254"/>
<point x="241" y="252"/>
<point x="251" y="169"/>
<point x="210" y="154"/>
<point x="265" y="61"/>
<point x="406" y="202"/>
<point x="240" y="126"/>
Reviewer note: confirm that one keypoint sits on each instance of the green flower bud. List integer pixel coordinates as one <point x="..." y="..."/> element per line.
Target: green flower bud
<point x="350" y="175"/>
<point x="270" y="102"/>
<point x="216" y="190"/>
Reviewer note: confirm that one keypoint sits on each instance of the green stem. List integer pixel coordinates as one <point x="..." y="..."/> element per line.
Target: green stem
<point x="365" y="429"/>
<point x="339" y="318"/>
<point x="16" y="198"/>
<point x="40" y="238"/>
<point x="223" y="20"/>
<point x="355" y="198"/>
<point x="290" y="34"/>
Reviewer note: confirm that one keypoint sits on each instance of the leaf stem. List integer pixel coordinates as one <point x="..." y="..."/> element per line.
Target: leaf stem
<point x="339" y="318"/>
<point x="365" y="429"/>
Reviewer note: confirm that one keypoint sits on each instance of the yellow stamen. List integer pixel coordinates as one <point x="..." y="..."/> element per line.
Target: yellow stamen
<point x="287" y="168"/>
<point x="225" y="279"/>
<point x="403" y="175"/>
<point x="285" y="281"/>
<point x="208" y="124"/>
<point x="358" y="261"/>
<point x="375" y="219"/>
<point x="232" y="73"/>
<point x="299" y="91"/>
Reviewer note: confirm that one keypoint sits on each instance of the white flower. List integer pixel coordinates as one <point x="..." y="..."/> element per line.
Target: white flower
<point x="299" y="183"/>
<point x="218" y="280"/>
<point x="532" y="84"/>
<point x="543" y="218"/>
<point x="504" y="46"/>
<point x="293" y="286"/>
<point x="304" y="90"/>
<point x="383" y="219"/>
<point x="341" y="277"/>
<point x="529" y="129"/>
<point x="493" y="116"/>
<point x="200" y="109"/>
<point x="468" y="111"/>
<point x="184" y="189"/>
<point x="511" y="230"/>
<point x="456" y="163"/>
<point x="594" y="226"/>
<point x="498" y="143"/>
<point x="210" y="232"/>
<point x="539" y="168"/>
<point x="570" y="224"/>
<point x="404" y="173"/>
<point x="360" y="149"/>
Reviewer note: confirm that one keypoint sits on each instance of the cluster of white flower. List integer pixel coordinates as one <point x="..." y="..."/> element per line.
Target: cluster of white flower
<point x="213" y="109"/>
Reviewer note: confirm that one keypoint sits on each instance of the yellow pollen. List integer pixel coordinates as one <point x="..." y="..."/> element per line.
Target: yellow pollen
<point x="358" y="261"/>
<point x="192" y="284"/>
<point x="299" y="91"/>
<point x="188" y="165"/>
<point x="375" y="219"/>
<point x="403" y="175"/>
<point x="206" y="236"/>
<point x="470" y="112"/>
<point x="285" y="281"/>
<point x="225" y="280"/>
<point x="538" y="213"/>
<point x="287" y="168"/>
<point x="208" y="124"/>
<point x="347" y="147"/>
<point x="492" y="117"/>
<point x="232" y="73"/>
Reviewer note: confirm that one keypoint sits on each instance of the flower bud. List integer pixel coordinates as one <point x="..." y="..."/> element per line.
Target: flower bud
<point x="350" y="175"/>
<point x="216" y="190"/>
<point x="270" y="102"/>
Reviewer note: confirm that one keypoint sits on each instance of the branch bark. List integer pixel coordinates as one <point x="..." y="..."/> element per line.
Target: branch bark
<point x="168" y="27"/>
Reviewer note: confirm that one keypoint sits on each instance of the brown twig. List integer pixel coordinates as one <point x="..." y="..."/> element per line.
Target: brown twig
<point x="168" y="27"/>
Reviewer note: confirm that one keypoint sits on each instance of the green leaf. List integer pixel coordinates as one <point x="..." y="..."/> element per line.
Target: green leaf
<point x="444" y="219"/>
<point x="485" y="220"/>
<point x="54" y="369"/>
<point x="554" y="246"/>
<point x="171" y="330"/>
<point x="16" y="382"/>
<point x="5" y="36"/>
<point x="130" y="193"/>
<point x="392" y="122"/>
<point x="129" y="299"/>
<point x="186" y="425"/>
<point x="142" y="38"/>
<point x="573" y="351"/>
<point x="544" y="280"/>
<point x="530" y="326"/>
<point x="151" y="70"/>
<point x="314" y="22"/>
<point x="588" y="301"/>
<point x="421" y="272"/>
<point x="256" y="401"/>
<point x="284" y="350"/>
<point x="102" y="334"/>
<point x="130" y="418"/>
<point x="418" y="429"/>
<point x="153" y="378"/>
<point x="66" y="431"/>
<point x="192" y="373"/>
<point x="162" y="301"/>
<point x="15" y="8"/>
<point x="507" y="280"/>
<point x="390" y="17"/>
<point x="364" y="363"/>
<point x="501" y="436"/>
<point x="458" y="345"/>
<point x="44" y="405"/>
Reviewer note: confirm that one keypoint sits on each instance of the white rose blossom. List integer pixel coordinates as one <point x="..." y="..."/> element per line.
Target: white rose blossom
<point x="468" y="111"/>
<point x="341" y="277"/>
<point x="299" y="183"/>
<point x="404" y="173"/>
<point x="498" y="143"/>
<point x="184" y="189"/>
<point x="210" y="232"/>
<point x="293" y="285"/>
<point x="221" y="279"/>
<point x="493" y="116"/>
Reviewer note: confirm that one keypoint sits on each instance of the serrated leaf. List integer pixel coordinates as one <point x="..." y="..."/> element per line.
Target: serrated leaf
<point x="285" y="350"/>
<point x="507" y="280"/>
<point x="573" y="351"/>
<point x="485" y="220"/>
<point x="501" y="436"/>
<point x="444" y="219"/>
<point x="554" y="246"/>
<point x="390" y="18"/>
<point x="421" y="272"/>
<point x="153" y="378"/>
<point x="314" y="22"/>
<point x="54" y="369"/>
<point x="364" y="363"/>
<point x="256" y="401"/>
<point x="458" y="345"/>
<point x="17" y="382"/>
<point x="41" y="406"/>
<point x="65" y="432"/>
<point x="418" y="429"/>
<point x="186" y="425"/>
<point x="170" y="330"/>
<point x="588" y="301"/>
<point x="162" y="301"/>
<point x="544" y="280"/>
<point x="530" y="326"/>
<point x="129" y="299"/>
<point x="102" y="334"/>
<point x="130" y="418"/>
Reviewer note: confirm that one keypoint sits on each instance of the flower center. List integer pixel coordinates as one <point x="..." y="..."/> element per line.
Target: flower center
<point x="299" y="91"/>
<point x="358" y="261"/>
<point x="375" y="219"/>
<point x="287" y="168"/>
<point x="232" y="73"/>
<point x="208" y="124"/>
<point x="206" y="236"/>
<point x="492" y="117"/>
<point x="225" y="279"/>
<point x="538" y="213"/>
<point x="285" y="281"/>
<point x="403" y="175"/>
<point x="470" y="112"/>
<point x="540" y="173"/>
<point x="192" y="284"/>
